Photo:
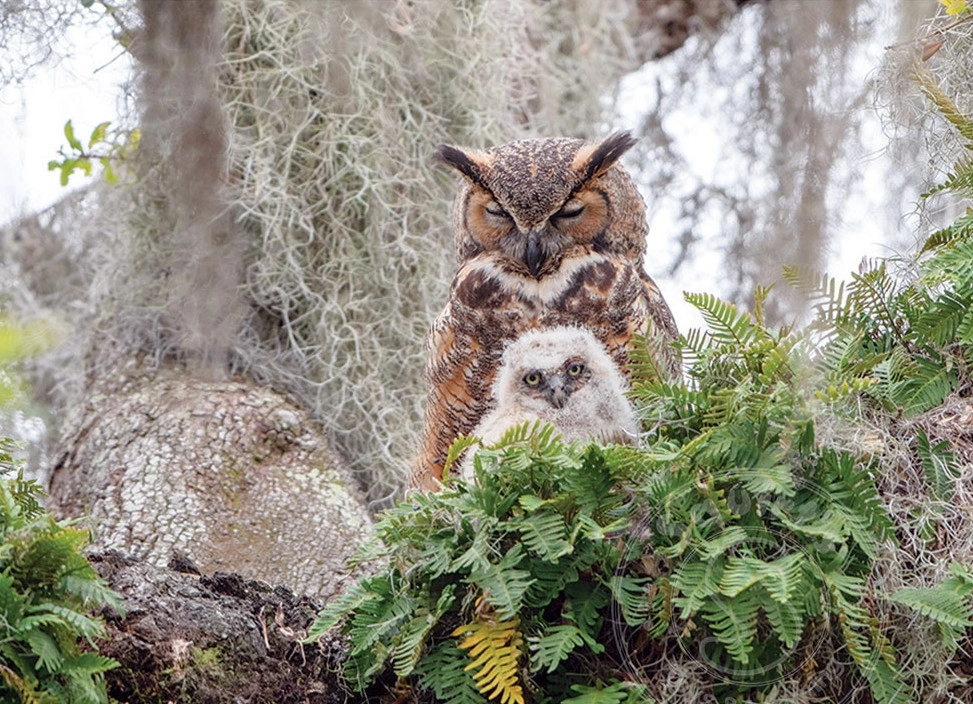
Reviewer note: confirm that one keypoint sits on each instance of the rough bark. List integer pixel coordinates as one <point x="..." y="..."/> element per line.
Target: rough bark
<point x="213" y="640"/>
<point x="232" y="476"/>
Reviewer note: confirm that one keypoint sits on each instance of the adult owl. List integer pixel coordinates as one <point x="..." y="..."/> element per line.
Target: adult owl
<point x="548" y="232"/>
<point x="562" y="376"/>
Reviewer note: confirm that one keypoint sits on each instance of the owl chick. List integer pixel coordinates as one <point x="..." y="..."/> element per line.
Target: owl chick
<point x="549" y="232"/>
<point x="562" y="376"/>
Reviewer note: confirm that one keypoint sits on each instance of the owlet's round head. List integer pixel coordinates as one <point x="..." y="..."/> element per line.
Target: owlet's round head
<point x="531" y="201"/>
<point x="545" y="370"/>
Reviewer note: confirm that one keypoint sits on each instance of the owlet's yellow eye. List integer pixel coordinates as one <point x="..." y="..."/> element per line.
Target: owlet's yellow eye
<point x="532" y="378"/>
<point x="575" y="369"/>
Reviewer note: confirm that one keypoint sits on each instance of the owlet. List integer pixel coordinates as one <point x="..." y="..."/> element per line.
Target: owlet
<point x="562" y="376"/>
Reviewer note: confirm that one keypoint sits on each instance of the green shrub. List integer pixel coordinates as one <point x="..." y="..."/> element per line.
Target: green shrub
<point x="47" y="589"/>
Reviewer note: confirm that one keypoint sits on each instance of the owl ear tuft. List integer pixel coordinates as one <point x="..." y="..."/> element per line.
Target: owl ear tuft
<point x="467" y="163"/>
<point x="596" y="159"/>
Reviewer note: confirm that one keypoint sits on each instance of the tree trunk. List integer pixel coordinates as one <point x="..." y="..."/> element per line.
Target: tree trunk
<point x="230" y="475"/>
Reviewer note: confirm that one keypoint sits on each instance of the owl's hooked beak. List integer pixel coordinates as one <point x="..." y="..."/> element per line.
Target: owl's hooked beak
<point x="535" y="256"/>
<point x="557" y="396"/>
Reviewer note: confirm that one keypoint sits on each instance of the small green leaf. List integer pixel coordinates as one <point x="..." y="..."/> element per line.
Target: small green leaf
<point x="69" y="134"/>
<point x="98" y="134"/>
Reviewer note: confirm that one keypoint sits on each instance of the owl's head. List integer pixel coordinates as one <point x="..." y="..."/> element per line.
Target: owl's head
<point x="532" y="201"/>
<point x="544" y="368"/>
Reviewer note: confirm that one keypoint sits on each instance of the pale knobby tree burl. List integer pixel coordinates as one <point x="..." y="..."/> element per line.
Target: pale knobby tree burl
<point x="283" y="229"/>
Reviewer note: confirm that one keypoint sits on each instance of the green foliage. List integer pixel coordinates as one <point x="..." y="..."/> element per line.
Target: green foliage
<point x="108" y="147"/>
<point x="904" y="342"/>
<point x="733" y="532"/>
<point x="766" y="533"/>
<point x="47" y="588"/>
<point x="948" y="604"/>
<point x="524" y="559"/>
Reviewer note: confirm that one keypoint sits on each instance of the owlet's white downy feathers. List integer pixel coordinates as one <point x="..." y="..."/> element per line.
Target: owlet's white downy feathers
<point x="563" y="376"/>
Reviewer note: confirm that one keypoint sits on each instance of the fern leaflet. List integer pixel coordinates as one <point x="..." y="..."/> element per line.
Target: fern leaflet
<point x="495" y="649"/>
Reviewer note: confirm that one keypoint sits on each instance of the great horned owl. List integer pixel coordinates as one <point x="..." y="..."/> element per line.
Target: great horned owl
<point x="562" y="376"/>
<point x="548" y="232"/>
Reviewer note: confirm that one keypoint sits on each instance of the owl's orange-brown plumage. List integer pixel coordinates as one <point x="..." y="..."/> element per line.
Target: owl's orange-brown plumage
<point x="549" y="232"/>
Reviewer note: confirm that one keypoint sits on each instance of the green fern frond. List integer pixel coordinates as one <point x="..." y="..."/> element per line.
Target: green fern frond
<point x="846" y="592"/>
<point x="553" y="646"/>
<point x="759" y="478"/>
<point x="722" y="543"/>
<point x="693" y="344"/>
<point x="443" y="671"/>
<point x="826" y="295"/>
<point x="958" y="181"/>
<point x="887" y="685"/>
<point x="503" y="583"/>
<point x="928" y="384"/>
<point x="456" y="450"/>
<point x="853" y="496"/>
<point x="779" y="577"/>
<point x="82" y="624"/>
<point x="866" y="644"/>
<point x="645" y="363"/>
<point x="951" y="265"/>
<point x="938" y="465"/>
<point x="632" y="596"/>
<point x="585" y="607"/>
<point x="408" y="643"/>
<point x="545" y="535"/>
<point x="734" y="622"/>
<point x="960" y="230"/>
<point x="694" y="583"/>
<point x="941" y="604"/>
<point x="46" y="649"/>
<point x="475" y="557"/>
<point x="787" y="620"/>
<point x="728" y="324"/>
<point x="873" y="295"/>
<point x="938" y="321"/>
<point x="551" y="578"/>
<point x="617" y="693"/>
<point x="378" y="617"/>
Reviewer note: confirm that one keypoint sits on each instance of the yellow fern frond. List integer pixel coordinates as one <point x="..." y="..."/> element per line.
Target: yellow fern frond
<point x="495" y="648"/>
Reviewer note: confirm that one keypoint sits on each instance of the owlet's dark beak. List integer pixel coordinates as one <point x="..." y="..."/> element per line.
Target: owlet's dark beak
<point x="557" y="395"/>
